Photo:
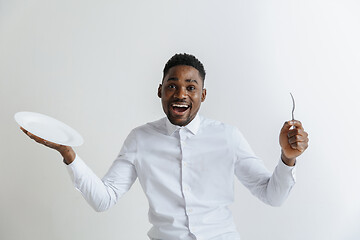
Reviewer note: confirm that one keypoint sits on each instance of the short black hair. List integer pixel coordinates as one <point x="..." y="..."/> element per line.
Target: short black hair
<point x="185" y="59"/>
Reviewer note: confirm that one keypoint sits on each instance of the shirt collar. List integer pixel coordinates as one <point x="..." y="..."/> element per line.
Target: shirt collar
<point x="193" y="126"/>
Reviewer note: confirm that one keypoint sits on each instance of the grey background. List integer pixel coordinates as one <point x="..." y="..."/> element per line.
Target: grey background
<point x="96" y="66"/>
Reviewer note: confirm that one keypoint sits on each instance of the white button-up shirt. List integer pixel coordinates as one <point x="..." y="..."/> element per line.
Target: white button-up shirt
<point x="187" y="174"/>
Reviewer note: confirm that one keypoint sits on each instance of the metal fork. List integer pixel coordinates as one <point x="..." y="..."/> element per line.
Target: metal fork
<point x="293" y="109"/>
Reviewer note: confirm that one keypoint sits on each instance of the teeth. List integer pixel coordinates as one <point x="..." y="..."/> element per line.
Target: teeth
<point x="179" y="105"/>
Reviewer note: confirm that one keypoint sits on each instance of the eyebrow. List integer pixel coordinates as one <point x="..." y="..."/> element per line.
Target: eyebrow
<point x="187" y="80"/>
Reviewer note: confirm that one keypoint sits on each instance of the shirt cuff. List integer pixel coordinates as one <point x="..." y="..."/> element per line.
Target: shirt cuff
<point x="76" y="168"/>
<point x="286" y="170"/>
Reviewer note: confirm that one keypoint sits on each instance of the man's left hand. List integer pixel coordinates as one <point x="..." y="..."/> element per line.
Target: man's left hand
<point x="293" y="141"/>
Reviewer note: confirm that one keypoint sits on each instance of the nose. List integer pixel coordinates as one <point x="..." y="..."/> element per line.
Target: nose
<point x="181" y="93"/>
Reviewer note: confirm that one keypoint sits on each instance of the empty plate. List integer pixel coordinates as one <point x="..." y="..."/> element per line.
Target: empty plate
<point x="48" y="128"/>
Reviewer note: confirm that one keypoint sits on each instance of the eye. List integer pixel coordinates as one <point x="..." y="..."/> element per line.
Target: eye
<point x="171" y="86"/>
<point x="191" y="88"/>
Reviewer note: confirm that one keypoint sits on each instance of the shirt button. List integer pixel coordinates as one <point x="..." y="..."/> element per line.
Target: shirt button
<point x="190" y="210"/>
<point x="184" y="164"/>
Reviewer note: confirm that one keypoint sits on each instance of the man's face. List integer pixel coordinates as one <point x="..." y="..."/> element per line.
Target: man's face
<point x="181" y="94"/>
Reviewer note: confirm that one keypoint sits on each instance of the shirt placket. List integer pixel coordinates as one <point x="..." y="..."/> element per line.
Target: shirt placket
<point x="186" y="165"/>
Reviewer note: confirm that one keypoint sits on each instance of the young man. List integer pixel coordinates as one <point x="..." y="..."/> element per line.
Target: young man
<point x="186" y="163"/>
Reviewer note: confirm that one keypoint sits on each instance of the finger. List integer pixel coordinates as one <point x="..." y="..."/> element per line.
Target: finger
<point x="32" y="136"/>
<point x="293" y="146"/>
<point x="51" y="144"/>
<point x="297" y="138"/>
<point x="29" y="134"/>
<point x="293" y="132"/>
<point x="297" y="131"/>
<point x="286" y="125"/>
<point x="285" y="129"/>
<point x="23" y="129"/>
<point x="292" y="123"/>
<point x="296" y="123"/>
<point x="300" y="146"/>
<point x="41" y="140"/>
<point x="293" y="139"/>
<point x="36" y="138"/>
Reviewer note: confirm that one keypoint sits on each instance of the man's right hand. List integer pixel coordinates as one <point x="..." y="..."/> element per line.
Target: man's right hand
<point x="66" y="151"/>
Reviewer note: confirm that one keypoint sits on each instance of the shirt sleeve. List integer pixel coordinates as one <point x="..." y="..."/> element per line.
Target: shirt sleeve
<point x="271" y="188"/>
<point x="103" y="193"/>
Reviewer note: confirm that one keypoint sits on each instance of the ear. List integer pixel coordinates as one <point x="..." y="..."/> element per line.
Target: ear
<point x="203" y="95"/>
<point x="159" y="90"/>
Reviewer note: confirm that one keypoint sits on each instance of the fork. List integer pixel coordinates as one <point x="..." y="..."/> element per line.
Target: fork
<point x="293" y="108"/>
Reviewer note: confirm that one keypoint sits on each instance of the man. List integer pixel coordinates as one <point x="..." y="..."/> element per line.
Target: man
<point x="186" y="163"/>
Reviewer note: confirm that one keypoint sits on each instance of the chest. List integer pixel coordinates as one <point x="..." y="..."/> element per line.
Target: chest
<point x="202" y="158"/>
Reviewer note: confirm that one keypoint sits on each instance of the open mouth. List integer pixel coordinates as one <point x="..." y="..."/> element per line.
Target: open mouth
<point x="179" y="108"/>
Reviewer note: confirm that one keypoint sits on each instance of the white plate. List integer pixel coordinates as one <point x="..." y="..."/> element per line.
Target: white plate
<point x="48" y="128"/>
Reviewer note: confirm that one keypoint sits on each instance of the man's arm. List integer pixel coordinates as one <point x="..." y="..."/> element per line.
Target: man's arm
<point x="101" y="194"/>
<point x="271" y="188"/>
